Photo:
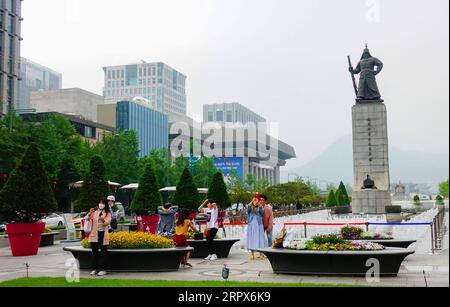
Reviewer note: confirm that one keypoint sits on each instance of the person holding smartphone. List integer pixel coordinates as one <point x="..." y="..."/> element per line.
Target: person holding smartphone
<point x="255" y="230"/>
<point x="212" y="226"/>
<point x="100" y="219"/>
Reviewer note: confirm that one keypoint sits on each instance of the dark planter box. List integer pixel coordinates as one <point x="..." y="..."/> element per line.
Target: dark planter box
<point x="222" y="247"/>
<point x="48" y="239"/>
<point x="392" y="243"/>
<point x="352" y="263"/>
<point x="393" y="209"/>
<point x="342" y="210"/>
<point x="134" y="260"/>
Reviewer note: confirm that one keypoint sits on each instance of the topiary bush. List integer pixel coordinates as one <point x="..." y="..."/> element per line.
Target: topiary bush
<point x="186" y="196"/>
<point x="218" y="191"/>
<point x="147" y="198"/>
<point x="331" y="200"/>
<point x="95" y="186"/>
<point x="134" y="240"/>
<point x="27" y="195"/>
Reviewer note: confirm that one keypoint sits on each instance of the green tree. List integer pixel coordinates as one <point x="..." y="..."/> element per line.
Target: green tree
<point x="238" y="193"/>
<point x="177" y="168"/>
<point x="346" y="199"/>
<point x="443" y="188"/>
<point x="186" y="196"/>
<point x="203" y="171"/>
<point x="27" y="195"/>
<point x="331" y="187"/>
<point x="313" y="200"/>
<point x="417" y="200"/>
<point x="120" y="151"/>
<point x="331" y="200"/>
<point x="67" y="175"/>
<point x="287" y="193"/>
<point x="340" y="198"/>
<point x="440" y="200"/>
<point x="159" y="158"/>
<point x="95" y="186"/>
<point x="218" y="191"/>
<point x="147" y="198"/>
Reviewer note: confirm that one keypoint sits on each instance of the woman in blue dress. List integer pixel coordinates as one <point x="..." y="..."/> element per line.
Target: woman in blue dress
<point x="255" y="230"/>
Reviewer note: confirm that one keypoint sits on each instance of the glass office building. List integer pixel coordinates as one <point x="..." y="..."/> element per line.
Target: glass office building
<point x="10" y="22"/>
<point x="151" y="126"/>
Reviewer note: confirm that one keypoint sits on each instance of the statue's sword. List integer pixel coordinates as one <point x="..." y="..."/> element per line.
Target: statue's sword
<point x="353" y="76"/>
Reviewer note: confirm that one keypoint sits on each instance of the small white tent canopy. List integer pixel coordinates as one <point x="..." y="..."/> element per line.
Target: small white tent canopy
<point x="134" y="186"/>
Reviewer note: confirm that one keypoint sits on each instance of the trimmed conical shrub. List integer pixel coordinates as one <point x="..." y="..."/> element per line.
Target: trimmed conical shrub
<point x="95" y="186"/>
<point x="218" y="191"/>
<point x="27" y="195"/>
<point x="331" y="200"/>
<point x="344" y="192"/>
<point x="340" y="198"/>
<point x="148" y="197"/>
<point x="186" y="196"/>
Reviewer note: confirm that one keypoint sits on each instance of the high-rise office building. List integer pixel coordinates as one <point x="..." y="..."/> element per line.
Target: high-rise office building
<point x="230" y="113"/>
<point x="35" y="77"/>
<point x="162" y="86"/>
<point x="151" y="126"/>
<point x="10" y="20"/>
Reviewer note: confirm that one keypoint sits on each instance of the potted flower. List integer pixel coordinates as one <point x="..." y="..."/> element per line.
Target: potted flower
<point x="146" y="201"/>
<point x="25" y="199"/>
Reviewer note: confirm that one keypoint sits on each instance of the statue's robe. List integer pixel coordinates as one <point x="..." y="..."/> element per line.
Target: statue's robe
<point x="368" y="89"/>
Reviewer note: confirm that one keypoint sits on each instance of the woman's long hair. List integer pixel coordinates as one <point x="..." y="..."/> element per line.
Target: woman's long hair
<point x="183" y="217"/>
<point x="107" y="209"/>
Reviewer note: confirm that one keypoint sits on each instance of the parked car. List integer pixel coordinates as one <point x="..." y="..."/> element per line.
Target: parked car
<point x="2" y="226"/>
<point x="53" y="220"/>
<point x="77" y="218"/>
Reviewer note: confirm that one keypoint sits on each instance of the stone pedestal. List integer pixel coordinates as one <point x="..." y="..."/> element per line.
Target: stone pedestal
<point x="370" y="157"/>
<point x="370" y="201"/>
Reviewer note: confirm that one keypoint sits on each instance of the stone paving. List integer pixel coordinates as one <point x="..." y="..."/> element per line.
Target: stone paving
<point x="51" y="262"/>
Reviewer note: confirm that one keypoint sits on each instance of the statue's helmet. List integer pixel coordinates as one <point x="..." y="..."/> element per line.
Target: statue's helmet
<point x="366" y="54"/>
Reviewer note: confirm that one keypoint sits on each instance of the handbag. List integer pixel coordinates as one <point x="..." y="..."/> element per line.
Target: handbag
<point x="87" y="226"/>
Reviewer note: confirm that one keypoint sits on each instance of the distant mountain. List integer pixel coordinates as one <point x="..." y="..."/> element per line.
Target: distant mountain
<point x="336" y="164"/>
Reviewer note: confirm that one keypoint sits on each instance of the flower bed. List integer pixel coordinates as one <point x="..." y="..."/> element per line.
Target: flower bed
<point x="332" y="243"/>
<point x="357" y="233"/>
<point x="135" y="240"/>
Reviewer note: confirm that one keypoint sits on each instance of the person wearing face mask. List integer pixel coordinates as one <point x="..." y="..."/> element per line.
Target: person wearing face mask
<point x="100" y="219"/>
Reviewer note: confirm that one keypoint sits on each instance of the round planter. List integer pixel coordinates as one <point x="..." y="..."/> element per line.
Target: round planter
<point x="352" y="263"/>
<point x="392" y="243"/>
<point x="48" y="239"/>
<point x="24" y="239"/>
<point x="134" y="260"/>
<point x="221" y="246"/>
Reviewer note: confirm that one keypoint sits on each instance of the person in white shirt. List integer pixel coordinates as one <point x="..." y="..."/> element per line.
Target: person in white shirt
<point x="213" y="226"/>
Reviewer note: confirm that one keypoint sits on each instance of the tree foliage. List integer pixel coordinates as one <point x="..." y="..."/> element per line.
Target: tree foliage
<point x="331" y="200"/>
<point x="95" y="186"/>
<point x="218" y="191"/>
<point x="27" y="195"/>
<point x="186" y="196"/>
<point x="443" y="188"/>
<point x="147" y="198"/>
<point x="288" y="193"/>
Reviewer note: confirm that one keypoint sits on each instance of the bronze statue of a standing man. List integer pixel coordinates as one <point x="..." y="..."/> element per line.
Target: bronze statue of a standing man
<point x="369" y="67"/>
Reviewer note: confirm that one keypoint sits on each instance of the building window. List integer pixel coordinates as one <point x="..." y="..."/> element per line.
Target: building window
<point x="88" y="132"/>
<point x="229" y="116"/>
<point x="219" y="116"/>
<point x="210" y="116"/>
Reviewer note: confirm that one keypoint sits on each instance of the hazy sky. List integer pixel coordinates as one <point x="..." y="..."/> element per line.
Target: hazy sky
<point x="285" y="59"/>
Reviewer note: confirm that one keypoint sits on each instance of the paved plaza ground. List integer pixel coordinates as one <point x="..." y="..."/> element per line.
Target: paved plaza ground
<point x="51" y="261"/>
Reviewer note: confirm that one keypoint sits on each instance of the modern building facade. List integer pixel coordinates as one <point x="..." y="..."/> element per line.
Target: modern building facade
<point x="161" y="85"/>
<point x="151" y="126"/>
<point x="230" y="113"/>
<point x="89" y="130"/>
<point x="35" y="77"/>
<point x="10" y="38"/>
<point x="71" y="101"/>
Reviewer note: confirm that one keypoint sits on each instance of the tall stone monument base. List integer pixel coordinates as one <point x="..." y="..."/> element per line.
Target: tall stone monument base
<point x="371" y="201"/>
<point x="370" y="157"/>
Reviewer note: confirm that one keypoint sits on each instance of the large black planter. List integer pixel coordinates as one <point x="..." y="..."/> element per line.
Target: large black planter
<point x="221" y="246"/>
<point x="353" y="263"/>
<point x="134" y="260"/>
<point x="48" y="239"/>
<point x="392" y="243"/>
